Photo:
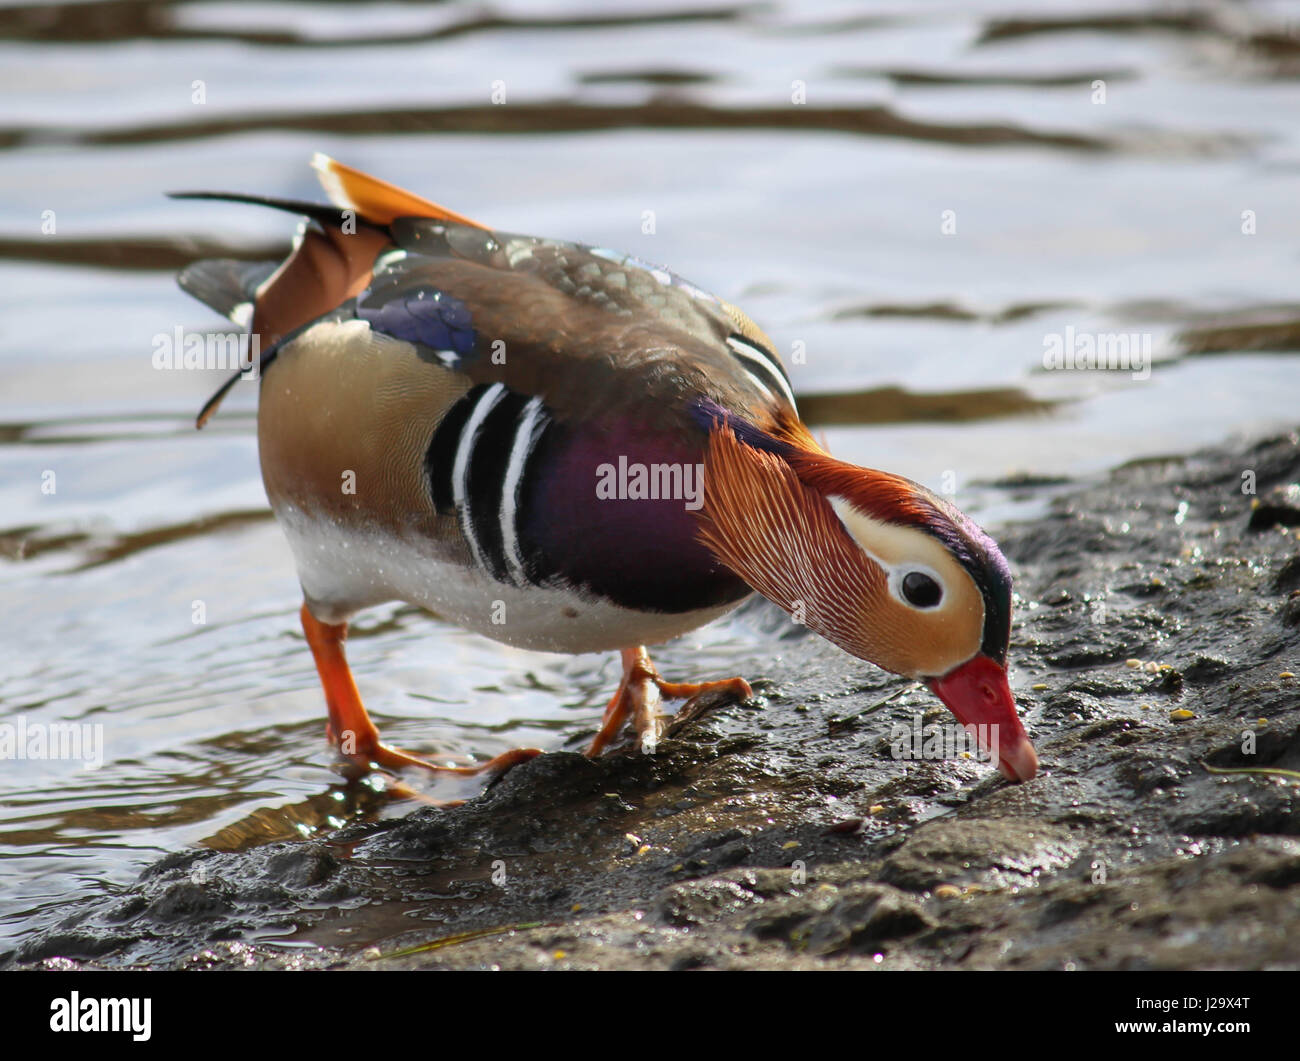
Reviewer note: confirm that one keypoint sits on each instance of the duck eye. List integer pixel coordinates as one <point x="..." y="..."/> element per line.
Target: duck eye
<point x="921" y="590"/>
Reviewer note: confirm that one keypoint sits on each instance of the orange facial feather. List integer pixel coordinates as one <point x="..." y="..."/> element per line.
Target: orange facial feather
<point x="783" y="539"/>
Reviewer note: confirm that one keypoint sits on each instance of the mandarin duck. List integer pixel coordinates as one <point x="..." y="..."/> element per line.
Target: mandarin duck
<point x="567" y="449"/>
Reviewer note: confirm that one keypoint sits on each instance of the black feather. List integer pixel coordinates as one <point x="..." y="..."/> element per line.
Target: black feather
<point x="331" y="216"/>
<point x="224" y="283"/>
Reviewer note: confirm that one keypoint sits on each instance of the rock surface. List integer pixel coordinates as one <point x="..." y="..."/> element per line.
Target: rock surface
<point x="783" y="832"/>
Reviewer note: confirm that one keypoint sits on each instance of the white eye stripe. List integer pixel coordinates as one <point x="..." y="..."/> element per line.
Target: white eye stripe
<point x="762" y="365"/>
<point x="895" y="572"/>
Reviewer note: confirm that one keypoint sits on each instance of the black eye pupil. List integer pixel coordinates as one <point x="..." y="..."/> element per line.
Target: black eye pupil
<point x="921" y="590"/>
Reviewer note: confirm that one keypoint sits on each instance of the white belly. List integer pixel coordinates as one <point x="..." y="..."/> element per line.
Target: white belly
<point x="343" y="571"/>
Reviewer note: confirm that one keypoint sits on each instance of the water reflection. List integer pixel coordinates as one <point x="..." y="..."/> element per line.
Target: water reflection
<point x="822" y="218"/>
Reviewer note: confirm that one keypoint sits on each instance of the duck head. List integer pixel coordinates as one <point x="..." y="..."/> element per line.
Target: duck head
<point x="875" y="563"/>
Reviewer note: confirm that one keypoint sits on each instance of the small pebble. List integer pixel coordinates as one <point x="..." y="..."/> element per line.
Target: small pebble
<point x="876" y="808"/>
<point x="1152" y="668"/>
<point x="1132" y="664"/>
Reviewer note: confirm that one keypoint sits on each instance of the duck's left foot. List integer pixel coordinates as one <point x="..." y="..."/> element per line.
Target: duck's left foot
<point x="350" y="727"/>
<point x="639" y="694"/>
<point x="381" y="755"/>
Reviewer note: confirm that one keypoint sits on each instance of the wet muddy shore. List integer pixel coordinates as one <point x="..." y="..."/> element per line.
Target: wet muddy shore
<point x="1157" y="630"/>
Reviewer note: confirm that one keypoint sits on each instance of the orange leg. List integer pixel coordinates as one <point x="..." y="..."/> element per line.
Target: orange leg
<point x="350" y="727"/>
<point x="638" y="695"/>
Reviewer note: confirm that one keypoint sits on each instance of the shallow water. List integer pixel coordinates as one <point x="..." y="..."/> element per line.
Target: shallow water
<point x="823" y="219"/>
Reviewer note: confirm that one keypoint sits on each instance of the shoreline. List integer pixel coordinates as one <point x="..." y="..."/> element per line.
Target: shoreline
<point x="782" y="833"/>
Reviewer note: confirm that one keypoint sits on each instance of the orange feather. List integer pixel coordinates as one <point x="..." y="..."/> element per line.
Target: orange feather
<point x="376" y="201"/>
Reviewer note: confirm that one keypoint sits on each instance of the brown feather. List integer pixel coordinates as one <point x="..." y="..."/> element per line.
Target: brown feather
<point x="327" y="268"/>
<point x="355" y="412"/>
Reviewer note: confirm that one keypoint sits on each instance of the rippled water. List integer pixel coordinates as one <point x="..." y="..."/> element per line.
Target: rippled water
<point x="825" y="219"/>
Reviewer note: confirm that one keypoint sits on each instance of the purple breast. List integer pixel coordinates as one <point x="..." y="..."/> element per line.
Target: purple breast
<point x="613" y="508"/>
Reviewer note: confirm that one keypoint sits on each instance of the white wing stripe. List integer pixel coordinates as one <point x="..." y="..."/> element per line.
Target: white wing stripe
<point x="529" y="431"/>
<point x="460" y="467"/>
<point x="769" y="368"/>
